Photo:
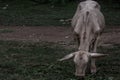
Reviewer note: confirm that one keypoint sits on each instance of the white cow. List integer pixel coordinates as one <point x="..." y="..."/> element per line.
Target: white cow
<point x="88" y="23"/>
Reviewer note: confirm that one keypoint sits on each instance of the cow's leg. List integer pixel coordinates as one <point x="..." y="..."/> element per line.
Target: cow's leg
<point x="93" y="66"/>
<point x="94" y="45"/>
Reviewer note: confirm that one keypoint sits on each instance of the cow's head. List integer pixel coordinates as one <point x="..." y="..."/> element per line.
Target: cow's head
<point x="81" y="59"/>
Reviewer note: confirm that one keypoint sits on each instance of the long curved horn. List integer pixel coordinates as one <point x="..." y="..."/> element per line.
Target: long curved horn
<point x="67" y="56"/>
<point x="97" y="55"/>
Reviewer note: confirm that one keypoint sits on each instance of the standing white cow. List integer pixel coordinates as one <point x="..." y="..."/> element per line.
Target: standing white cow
<point x="88" y="23"/>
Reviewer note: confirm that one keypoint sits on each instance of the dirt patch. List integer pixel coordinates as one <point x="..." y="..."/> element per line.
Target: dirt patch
<point x="49" y="34"/>
<point x="52" y="34"/>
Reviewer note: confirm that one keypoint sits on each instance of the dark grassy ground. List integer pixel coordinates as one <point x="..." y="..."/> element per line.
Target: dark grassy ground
<point x="30" y="14"/>
<point x="38" y="61"/>
<point x="26" y="13"/>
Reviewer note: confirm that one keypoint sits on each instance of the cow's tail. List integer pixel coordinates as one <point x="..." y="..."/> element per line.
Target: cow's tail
<point x="86" y="17"/>
<point x="85" y="25"/>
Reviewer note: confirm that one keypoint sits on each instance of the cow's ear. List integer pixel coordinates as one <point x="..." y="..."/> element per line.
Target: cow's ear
<point x="67" y="57"/>
<point x="97" y="55"/>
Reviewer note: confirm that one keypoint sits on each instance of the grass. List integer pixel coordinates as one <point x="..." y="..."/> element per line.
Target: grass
<point x="38" y="61"/>
<point x="29" y="14"/>
<point x="6" y="30"/>
<point x="26" y="13"/>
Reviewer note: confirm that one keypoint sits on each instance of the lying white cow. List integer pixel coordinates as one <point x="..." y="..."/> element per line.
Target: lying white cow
<point x="88" y="23"/>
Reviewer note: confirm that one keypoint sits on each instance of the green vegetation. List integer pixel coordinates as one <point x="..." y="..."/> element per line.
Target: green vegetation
<point x="28" y="13"/>
<point x="38" y="61"/>
<point x="6" y="30"/>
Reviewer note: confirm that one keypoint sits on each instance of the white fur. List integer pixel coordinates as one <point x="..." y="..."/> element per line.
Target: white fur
<point x="88" y="23"/>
